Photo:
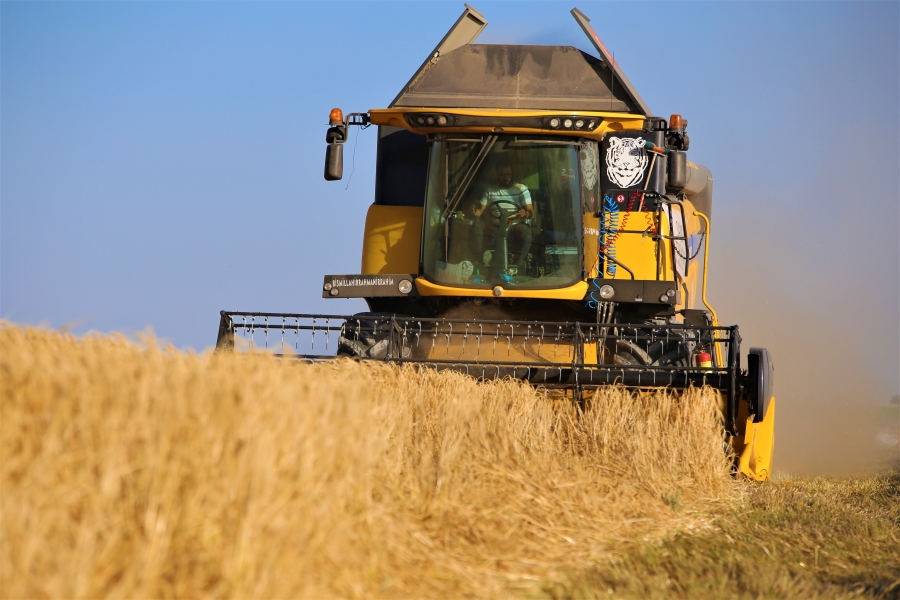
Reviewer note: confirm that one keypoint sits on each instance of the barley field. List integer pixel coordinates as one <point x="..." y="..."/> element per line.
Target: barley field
<point x="133" y="470"/>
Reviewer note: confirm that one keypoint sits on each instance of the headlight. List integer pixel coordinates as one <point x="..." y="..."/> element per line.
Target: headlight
<point x="405" y="286"/>
<point x="607" y="292"/>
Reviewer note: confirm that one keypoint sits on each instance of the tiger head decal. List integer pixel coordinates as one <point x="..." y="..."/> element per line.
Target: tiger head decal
<point x="626" y="160"/>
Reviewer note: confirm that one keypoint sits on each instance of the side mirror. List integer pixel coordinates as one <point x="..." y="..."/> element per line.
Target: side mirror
<point x="677" y="171"/>
<point x="334" y="162"/>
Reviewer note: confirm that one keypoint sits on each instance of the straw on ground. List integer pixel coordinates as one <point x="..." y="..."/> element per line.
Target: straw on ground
<point x="130" y="470"/>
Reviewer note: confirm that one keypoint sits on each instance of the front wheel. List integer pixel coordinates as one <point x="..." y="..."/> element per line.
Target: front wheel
<point x="372" y="335"/>
<point x="651" y="347"/>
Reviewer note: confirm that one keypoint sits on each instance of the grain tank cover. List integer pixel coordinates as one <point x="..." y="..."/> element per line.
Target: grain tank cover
<point x="461" y="74"/>
<point x="518" y="77"/>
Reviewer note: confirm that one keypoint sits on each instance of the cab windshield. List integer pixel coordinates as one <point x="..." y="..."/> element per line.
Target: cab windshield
<point x="507" y="210"/>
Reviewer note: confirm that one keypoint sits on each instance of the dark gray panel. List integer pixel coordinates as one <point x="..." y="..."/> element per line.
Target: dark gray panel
<point x="401" y="167"/>
<point x="640" y="290"/>
<point x="367" y="286"/>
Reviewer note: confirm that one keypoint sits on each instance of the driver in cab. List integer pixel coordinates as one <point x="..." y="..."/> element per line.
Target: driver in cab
<point x="515" y="200"/>
<point x="505" y="192"/>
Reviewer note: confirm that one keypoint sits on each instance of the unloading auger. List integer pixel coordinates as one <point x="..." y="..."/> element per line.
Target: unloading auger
<point x="533" y="220"/>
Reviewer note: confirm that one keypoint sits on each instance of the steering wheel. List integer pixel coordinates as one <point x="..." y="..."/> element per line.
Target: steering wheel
<point x="505" y="213"/>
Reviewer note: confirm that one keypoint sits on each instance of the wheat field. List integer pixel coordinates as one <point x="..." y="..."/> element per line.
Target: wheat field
<point x="135" y="470"/>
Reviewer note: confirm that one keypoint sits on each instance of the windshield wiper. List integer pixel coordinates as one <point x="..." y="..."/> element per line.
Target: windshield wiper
<point x="469" y="176"/>
<point x="518" y="142"/>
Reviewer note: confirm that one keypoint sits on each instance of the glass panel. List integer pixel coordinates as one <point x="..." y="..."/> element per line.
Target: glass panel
<point x="504" y="210"/>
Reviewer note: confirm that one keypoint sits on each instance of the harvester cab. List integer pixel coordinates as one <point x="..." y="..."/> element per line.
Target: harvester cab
<point x="533" y="219"/>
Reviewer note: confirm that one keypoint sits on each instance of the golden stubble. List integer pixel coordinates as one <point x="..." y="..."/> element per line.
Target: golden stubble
<point x="130" y="470"/>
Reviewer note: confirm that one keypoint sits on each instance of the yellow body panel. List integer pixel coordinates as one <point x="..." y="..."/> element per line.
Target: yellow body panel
<point x="392" y="240"/>
<point x="495" y="344"/>
<point x="611" y="121"/>
<point x="689" y="285"/>
<point x="638" y="251"/>
<point x="755" y="447"/>
<point x="574" y="292"/>
<point x="591" y="231"/>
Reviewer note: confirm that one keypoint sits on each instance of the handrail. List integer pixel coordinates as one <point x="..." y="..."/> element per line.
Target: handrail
<point x="715" y="318"/>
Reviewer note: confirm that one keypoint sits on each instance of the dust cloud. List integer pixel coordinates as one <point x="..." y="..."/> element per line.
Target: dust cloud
<point x="832" y="329"/>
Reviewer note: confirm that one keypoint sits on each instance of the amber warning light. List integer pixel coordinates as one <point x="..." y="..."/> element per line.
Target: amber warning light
<point x="676" y="123"/>
<point x="336" y="117"/>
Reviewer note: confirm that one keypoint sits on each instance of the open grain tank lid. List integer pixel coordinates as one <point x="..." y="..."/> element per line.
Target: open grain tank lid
<point x="461" y="74"/>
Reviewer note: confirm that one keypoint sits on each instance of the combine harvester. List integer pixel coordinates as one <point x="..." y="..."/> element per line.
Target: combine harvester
<point x="533" y="220"/>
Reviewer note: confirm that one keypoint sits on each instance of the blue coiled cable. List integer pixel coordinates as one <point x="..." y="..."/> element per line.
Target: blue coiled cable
<point x="609" y="226"/>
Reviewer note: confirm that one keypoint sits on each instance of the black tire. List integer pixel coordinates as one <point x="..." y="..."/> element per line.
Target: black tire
<point x="370" y="335"/>
<point x="669" y="350"/>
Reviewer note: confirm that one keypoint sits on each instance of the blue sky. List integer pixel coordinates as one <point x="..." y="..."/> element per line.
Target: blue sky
<point x="160" y="161"/>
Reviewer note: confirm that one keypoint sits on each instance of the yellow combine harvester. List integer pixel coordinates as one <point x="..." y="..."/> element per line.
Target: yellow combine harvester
<point x="533" y="220"/>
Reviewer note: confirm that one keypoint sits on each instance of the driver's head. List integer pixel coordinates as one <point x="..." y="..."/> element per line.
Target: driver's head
<point x="504" y="175"/>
